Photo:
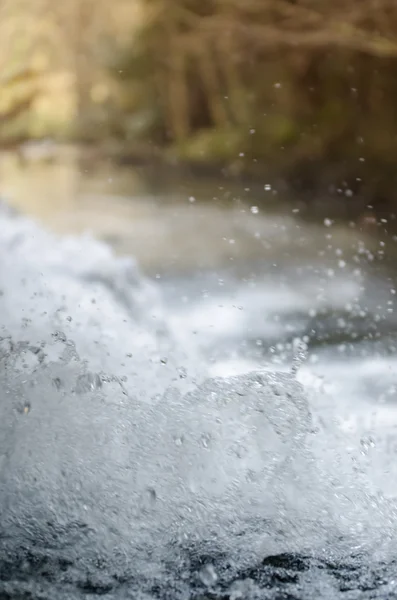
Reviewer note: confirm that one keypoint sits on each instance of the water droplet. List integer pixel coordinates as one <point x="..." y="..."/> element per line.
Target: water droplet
<point x="88" y="382"/>
<point x="179" y="440"/>
<point x="205" y="440"/>
<point x="57" y="382"/>
<point x="238" y="450"/>
<point x="268" y="187"/>
<point x="151" y="496"/>
<point x="367" y="442"/>
<point x="208" y="575"/>
<point x="254" y="210"/>
<point x="300" y="356"/>
<point x="24" y="408"/>
<point x="148" y="499"/>
<point x="243" y="588"/>
<point x="182" y="373"/>
<point x="60" y="336"/>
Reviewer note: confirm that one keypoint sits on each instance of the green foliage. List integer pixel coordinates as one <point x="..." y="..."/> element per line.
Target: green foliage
<point x="293" y="85"/>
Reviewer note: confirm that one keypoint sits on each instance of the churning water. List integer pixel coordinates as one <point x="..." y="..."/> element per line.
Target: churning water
<point x="151" y="448"/>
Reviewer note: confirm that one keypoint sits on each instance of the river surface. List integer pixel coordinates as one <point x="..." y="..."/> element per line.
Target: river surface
<point x="124" y="471"/>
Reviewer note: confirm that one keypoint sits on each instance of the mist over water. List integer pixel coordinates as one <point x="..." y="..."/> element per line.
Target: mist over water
<point x="153" y="445"/>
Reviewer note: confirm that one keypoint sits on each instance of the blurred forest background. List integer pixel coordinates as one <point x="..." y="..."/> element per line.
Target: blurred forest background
<point x="305" y="89"/>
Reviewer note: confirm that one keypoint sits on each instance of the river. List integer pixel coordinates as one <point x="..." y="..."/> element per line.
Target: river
<point x="195" y="279"/>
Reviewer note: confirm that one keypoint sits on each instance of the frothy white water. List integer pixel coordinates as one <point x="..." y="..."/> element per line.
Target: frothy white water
<point x="113" y="437"/>
<point x="75" y="289"/>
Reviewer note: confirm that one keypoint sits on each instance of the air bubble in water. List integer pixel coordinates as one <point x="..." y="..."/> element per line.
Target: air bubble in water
<point x="254" y="210"/>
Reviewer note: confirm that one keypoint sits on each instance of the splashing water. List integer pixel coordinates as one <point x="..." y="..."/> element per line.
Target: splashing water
<point x="300" y="356"/>
<point x="121" y="477"/>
